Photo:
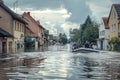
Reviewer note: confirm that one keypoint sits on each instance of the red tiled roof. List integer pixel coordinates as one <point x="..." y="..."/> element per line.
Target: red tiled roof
<point x="105" y="21"/>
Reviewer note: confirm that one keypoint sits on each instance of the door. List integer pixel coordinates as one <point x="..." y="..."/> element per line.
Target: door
<point x="10" y="47"/>
<point x="101" y="44"/>
<point x="3" y="47"/>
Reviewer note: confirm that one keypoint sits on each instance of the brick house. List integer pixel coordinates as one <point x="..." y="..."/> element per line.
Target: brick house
<point x="41" y="33"/>
<point x="14" y="25"/>
<point x="35" y="27"/>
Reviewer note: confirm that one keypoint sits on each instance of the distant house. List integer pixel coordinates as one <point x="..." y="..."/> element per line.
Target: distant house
<point x="114" y="21"/>
<point x="41" y="34"/>
<point x="14" y="25"/>
<point x="103" y="41"/>
<point x="35" y="27"/>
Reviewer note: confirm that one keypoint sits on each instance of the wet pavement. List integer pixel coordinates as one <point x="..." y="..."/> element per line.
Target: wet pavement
<point x="58" y="63"/>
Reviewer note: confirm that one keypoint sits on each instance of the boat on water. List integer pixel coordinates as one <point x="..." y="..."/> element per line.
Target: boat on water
<point x="85" y="50"/>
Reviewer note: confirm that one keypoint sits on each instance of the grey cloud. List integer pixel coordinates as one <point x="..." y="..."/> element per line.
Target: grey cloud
<point x="36" y="4"/>
<point x="59" y="28"/>
<point x="116" y="1"/>
<point x="78" y="8"/>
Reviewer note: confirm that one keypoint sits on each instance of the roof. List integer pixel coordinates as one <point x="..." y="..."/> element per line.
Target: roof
<point x="117" y="8"/>
<point x="29" y="29"/>
<point x="41" y="26"/>
<point x="13" y="14"/>
<point x="3" y="33"/>
<point x="36" y="22"/>
<point x="105" y="21"/>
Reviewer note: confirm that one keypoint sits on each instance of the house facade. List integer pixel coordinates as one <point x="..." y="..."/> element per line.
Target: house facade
<point x="104" y="35"/>
<point x="35" y="27"/>
<point x="114" y="21"/>
<point x="18" y="31"/>
<point x="41" y="34"/>
<point x="15" y="25"/>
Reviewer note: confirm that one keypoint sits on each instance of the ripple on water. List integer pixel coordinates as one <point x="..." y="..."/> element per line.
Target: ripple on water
<point x="59" y="64"/>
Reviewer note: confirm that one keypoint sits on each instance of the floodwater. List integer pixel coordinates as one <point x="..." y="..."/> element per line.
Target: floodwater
<point x="58" y="63"/>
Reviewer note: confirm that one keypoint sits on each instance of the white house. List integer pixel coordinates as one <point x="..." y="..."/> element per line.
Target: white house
<point x="104" y="35"/>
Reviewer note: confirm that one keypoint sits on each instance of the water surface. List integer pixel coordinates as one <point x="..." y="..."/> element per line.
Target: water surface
<point x="58" y="63"/>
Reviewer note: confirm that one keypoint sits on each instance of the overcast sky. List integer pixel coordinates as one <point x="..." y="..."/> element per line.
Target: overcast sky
<point x="61" y="15"/>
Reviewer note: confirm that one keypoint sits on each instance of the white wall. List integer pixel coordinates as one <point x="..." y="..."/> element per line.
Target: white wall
<point x="104" y="37"/>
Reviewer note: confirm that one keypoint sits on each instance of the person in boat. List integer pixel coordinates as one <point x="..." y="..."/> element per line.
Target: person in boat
<point x="74" y="46"/>
<point x="94" y="46"/>
<point x="87" y="44"/>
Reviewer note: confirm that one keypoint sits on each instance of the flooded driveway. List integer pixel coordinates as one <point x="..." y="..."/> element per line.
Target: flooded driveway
<point x="58" y="63"/>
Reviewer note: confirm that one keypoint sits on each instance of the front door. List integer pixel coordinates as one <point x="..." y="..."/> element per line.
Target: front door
<point x="10" y="47"/>
<point x="101" y="44"/>
<point x="3" y="47"/>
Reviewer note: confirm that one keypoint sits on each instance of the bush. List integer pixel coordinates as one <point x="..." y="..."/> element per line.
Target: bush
<point x="29" y="42"/>
<point x="114" y="40"/>
<point x="114" y="43"/>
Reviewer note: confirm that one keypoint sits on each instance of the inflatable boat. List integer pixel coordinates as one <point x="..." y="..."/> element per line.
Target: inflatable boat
<point x="85" y="50"/>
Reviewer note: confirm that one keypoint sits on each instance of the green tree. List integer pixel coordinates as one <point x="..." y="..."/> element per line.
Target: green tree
<point x="91" y="33"/>
<point x="46" y="33"/>
<point x="87" y="31"/>
<point x="87" y="22"/>
<point x="63" y="38"/>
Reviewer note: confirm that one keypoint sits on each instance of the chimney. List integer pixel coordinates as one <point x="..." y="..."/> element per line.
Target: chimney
<point x="1" y="1"/>
<point x="38" y="21"/>
<point x="28" y="13"/>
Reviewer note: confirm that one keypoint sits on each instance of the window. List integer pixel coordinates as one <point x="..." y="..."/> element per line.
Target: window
<point x="17" y="26"/>
<point x="113" y="14"/>
<point x="113" y="27"/>
<point x="20" y="27"/>
<point x="103" y="32"/>
<point x="23" y="28"/>
<point x="10" y="46"/>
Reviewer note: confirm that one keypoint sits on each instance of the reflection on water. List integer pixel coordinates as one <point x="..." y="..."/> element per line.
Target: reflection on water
<point x="58" y="63"/>
<point x="41" y="49"/>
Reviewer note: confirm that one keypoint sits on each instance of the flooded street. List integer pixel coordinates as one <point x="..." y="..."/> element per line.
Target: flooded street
<point x="58" y="63"/>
